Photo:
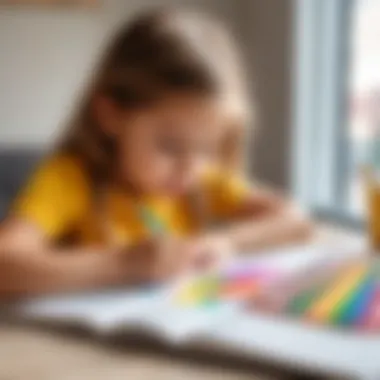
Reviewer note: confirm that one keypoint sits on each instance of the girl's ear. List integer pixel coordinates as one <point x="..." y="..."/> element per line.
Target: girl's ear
<point x="107" y="114"/>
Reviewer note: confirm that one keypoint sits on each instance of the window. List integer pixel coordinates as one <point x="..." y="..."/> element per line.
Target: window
<point x="364" y="91"/>
<point x="337" y="103"/>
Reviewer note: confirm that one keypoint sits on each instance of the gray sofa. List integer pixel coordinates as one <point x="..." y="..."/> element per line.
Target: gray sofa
<point x="15" y="167"/>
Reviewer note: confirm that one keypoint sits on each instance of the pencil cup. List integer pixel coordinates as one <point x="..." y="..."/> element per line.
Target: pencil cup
<point x="373" y="210"/>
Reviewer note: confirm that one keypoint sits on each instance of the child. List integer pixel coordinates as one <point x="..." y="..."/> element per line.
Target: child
<point x="146" y="183"/>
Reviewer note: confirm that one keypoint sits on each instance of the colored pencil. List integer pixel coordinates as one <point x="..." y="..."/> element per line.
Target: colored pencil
<point x="345" y="283"/>
<point x="277" y="298"/>
<point x="151" y="221"/>
<point x="354" y="305"/>
<point x="320" y="278"/>
<point x="313" y="290"/>
<point x="371" y="318"/>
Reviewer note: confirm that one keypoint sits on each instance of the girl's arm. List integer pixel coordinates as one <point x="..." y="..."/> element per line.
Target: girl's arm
<point x="30" y="265"/>
<point x="264" y="219"/>
<point x="280" y="225"/>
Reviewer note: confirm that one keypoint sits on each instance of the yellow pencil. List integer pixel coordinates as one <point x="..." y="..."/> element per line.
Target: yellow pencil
<point x="322" y="308"/>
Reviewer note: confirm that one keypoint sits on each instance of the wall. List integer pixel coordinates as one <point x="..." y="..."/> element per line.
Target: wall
<point x="267" y="37"/>
<point x="45" y="58"/>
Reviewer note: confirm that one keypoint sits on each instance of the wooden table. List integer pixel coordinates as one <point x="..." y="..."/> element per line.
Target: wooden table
<point x="30" y="353"/>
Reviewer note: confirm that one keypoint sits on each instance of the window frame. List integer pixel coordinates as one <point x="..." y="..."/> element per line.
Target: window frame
<point x="321" y="147"/>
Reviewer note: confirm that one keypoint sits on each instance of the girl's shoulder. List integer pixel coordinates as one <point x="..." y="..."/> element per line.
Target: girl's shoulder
<point x="55" y="196"/>
<point x="64" y="170"/>
<point x="64" y="163"/>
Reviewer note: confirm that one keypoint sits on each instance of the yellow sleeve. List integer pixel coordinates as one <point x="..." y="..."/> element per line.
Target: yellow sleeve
<point x="55" y="196"/>
<point x="226" y="193"/>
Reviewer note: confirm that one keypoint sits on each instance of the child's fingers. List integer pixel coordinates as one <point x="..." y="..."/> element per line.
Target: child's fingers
<point x="182" y="252"/>
<point x="212" y="252"/>
<point x="169" y="259"/>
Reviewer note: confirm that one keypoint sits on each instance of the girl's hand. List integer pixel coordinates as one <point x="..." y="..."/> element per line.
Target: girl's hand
<point x="211" y="251"/>
<point x="160" y="259"/>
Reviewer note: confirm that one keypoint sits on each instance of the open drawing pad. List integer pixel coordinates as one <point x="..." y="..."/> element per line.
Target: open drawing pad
<point x="315" y="307"/>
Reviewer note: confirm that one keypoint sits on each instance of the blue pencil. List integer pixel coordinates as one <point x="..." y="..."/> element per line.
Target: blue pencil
<point x="358" y="304"/>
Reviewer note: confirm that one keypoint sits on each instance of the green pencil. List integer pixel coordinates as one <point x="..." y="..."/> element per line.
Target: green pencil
<point x="155" y="225"/>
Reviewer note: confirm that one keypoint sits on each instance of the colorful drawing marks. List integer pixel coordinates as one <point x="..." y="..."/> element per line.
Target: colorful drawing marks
<point x="234" y="284"/>
<point x="345" y="294"/>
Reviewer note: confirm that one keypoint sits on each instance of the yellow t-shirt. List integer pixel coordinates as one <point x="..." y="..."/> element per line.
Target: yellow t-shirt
<point x="61" y="201"/>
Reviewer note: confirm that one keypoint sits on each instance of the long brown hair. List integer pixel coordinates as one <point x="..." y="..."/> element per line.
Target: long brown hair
<point x="161" y="51"/>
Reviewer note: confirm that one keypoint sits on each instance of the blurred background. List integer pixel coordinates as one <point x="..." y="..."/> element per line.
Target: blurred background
<point x="313" y="68"/>
<point x="47" y="51"/>
<point x="335" y="117"/>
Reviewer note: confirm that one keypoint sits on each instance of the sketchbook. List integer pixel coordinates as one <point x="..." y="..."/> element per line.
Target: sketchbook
<point x="314" y="307"/>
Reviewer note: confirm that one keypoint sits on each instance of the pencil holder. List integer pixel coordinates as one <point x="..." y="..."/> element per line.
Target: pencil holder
<point x="373" y="210"/>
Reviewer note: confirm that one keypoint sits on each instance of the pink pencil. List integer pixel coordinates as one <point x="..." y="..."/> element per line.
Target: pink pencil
<point x="371" y="319"/>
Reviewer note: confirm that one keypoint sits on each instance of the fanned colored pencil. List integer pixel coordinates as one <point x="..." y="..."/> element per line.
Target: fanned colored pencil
<point x="355" y="305"/>
<point x="278" y="298"/>
<point x="300" y="303"/>
<point x="275" y="297"/>
<point x="368" y="319"/>
<point x="321" y="310"/>
<point x="371" y="319"/>
<point x="319" y="281"/>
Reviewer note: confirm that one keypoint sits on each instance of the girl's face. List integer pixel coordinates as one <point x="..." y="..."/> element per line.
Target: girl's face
<point x="165" y="148"/>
